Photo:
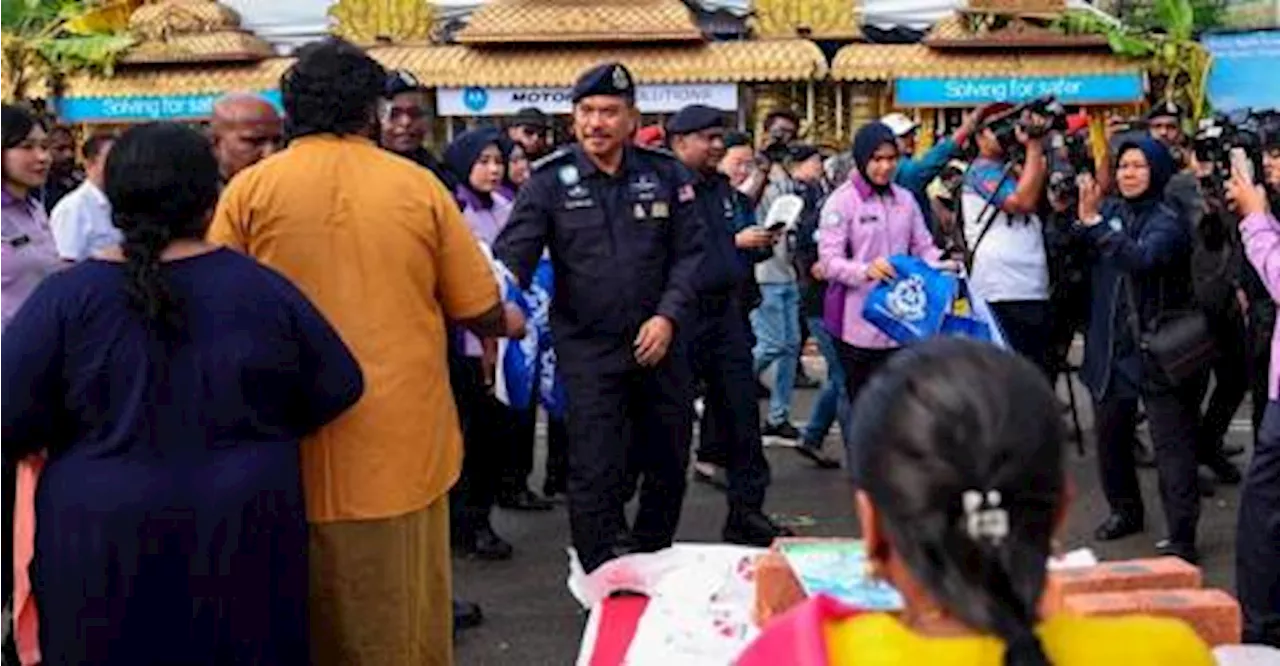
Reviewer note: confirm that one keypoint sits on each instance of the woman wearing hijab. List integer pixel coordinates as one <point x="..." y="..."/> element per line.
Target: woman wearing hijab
<point x="864" y="222"/>
<point x="1142" y="251"/>
<point x="476" y="161"/>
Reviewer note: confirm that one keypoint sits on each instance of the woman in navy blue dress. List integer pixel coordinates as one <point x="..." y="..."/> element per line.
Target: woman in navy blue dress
<point x="170" y="383"/>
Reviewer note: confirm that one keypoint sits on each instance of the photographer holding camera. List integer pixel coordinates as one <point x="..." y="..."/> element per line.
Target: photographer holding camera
<point x="1002" y="232"/>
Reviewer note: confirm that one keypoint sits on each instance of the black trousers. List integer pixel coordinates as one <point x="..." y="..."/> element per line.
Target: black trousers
<point x="1230" y="380"/>
<point x="859" y="364"/>
<point x="516" y="476"/>
<point x="621" y="418"/>
<point x="1174" y="417"/>
<point x="1261" y="325"/>
<point x="730" y="434"/>
<point x="1258" y="537"/>
<point x="486" y="433"/>
<point x="1028" y="328"/>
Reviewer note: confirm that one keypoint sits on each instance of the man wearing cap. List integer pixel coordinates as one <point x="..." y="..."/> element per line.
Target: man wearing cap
<point x="719" y="350"/>
<point x="528" y="129"/>
<point x="915" y="174"/>
<point x="625" y="241"/>
<point x="405" y="122"/>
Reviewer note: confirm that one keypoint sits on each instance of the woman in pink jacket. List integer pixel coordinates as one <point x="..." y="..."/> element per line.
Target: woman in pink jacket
<point x="864" y="222"/>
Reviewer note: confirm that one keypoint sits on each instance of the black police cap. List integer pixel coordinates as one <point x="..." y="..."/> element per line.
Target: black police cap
<point x="611" y="79"/>
<point x="694" y="118"/>
<point x="398" y="82"/>
<point x="530" y="116"/>
<point x="801" y="152"/>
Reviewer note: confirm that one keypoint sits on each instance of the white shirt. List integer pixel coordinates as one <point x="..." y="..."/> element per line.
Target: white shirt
<point x="1010" y="264"/>
<point x="81" y="223"/>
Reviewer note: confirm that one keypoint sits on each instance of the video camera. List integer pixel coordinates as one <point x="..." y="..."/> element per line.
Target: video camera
<point x="776" y="150"/>
<point x="1005" y="124"/>
<point x="1222" y="135"/>
<point x="1071" y="156"/>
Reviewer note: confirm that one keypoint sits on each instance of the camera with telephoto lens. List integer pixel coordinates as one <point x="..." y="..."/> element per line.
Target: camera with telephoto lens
<point x="1216" y="140"/>
<point x="1005" y="125"/>
<point x="776" y="150"/>
<point x="1069" y="158"/>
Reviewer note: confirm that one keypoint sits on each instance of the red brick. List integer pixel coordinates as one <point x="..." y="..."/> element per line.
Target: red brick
<point x="1214" y="614"/>
<point x="1161" y="573"/>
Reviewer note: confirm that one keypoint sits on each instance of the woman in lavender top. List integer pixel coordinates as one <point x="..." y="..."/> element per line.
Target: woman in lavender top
<point x="1258" y="533"/>
<point x="29" y="250"/>
<point x="477" y="163"/>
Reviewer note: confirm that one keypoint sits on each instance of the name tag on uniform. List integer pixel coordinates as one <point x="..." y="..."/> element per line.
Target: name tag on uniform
<point x="576" y="204"/>
<point x="869" y="219"/>
<point x="660" y="210"/>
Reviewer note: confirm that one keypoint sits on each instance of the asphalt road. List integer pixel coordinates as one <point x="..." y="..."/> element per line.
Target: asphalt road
<point x="532" y="620"/>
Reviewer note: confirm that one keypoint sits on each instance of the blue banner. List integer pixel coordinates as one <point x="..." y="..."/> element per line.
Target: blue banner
<point x="144" y="108"/>
<point x="1069" y="89"/>
<point x="1243" y="74"/>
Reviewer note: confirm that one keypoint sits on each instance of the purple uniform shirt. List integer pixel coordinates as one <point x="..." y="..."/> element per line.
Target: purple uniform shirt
<point x="485" y="223"/>
<point x="29" y="251"/>
<point x="856" y="228"/>
<point x="1261" y="235"/>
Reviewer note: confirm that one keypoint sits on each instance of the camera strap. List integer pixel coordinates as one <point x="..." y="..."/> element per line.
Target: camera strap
<point x="987" y="217"/>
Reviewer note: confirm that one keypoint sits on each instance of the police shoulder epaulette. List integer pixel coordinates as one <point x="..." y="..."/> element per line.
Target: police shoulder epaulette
<point x="551" y="158"/>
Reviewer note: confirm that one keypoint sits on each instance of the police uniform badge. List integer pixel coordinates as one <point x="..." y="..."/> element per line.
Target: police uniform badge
<point x="830" y="219"/>
<point x="568" y="175"/>
<point x="660" y="210"/>
<point x="1116" y="224"/>
<point x="620" y="79"/>
<point x="685" y="193"/>
<point x="638" y="212"/>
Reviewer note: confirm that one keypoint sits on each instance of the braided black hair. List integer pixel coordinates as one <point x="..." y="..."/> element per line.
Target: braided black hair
<point x="332" y="88"/>
<point x="162" y="181"/>
<point x="945" y="419"/>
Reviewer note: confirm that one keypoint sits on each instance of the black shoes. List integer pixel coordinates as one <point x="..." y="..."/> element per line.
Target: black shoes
<point x="813" y="452"/>
<point x="1118" y="526"/>
<point x="1188" y="552"/>
<point x="466" y="615"/>
<point x="523" y="499"/>
<point x="752" y="528"/>
<point x="1223" y="469"/>
<point x="482" y="544"/>
<point x="782" y="430"/>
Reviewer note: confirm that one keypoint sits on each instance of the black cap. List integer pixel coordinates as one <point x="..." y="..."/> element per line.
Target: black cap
<point x="400" y="81"/>
<point x="801" y="152"/>
<point x="694" y="118"/>
<point x="530" y="116"/>
<point x="1165" y="110"/>
<point x="735" y="139"/>
<point x="608" y="79"/>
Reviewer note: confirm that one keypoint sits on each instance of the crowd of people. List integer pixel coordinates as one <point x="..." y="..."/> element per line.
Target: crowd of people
<point x="258" y="374"/>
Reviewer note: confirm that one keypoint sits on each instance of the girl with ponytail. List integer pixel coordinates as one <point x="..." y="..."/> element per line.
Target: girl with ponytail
<point x="957" y="450"/>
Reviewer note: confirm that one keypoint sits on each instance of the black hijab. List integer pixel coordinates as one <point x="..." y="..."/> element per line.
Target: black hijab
<point x="865" y="143"/>
<point x="464" y="152"/>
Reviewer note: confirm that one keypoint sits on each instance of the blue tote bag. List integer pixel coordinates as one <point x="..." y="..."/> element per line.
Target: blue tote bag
<point x="913" y="305"/>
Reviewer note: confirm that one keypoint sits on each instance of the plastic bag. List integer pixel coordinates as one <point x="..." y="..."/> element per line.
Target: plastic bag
<point x="913" y="305"/>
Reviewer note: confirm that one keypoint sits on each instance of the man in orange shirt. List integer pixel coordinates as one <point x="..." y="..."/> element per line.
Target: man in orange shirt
<point x="378" y="245"/>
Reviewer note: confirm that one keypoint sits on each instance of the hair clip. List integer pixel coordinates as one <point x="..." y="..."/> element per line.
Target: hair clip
<point x="985" y="519"/>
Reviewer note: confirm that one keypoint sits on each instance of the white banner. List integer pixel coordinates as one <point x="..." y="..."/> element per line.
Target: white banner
<point x="659" y="98"/>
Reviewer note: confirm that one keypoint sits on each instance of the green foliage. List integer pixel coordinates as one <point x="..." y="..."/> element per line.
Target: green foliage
<point x="38" y="42"/>
<point x="1166" y="42"/>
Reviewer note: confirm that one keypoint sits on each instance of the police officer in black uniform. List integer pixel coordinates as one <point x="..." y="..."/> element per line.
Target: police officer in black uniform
<point x="626" y="246"/>
<point x="719" y="351"/>
<point x="404" y="122"/>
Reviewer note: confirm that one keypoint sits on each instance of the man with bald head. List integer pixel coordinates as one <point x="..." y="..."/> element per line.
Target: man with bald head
<point x="246" y="129"/>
